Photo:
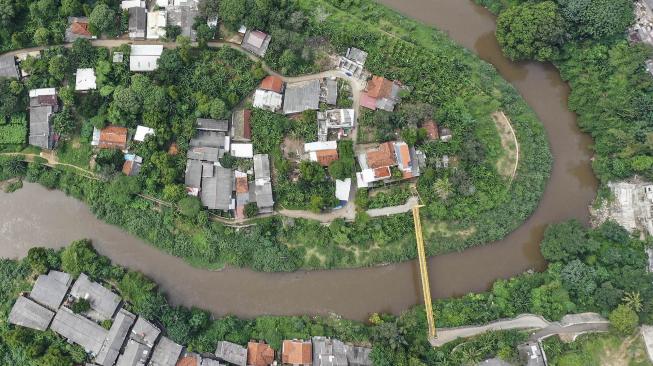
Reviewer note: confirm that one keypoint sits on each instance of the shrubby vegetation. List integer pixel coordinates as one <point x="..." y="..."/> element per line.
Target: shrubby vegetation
<point x="611" y="90"/>
<point x="614" y="282"/>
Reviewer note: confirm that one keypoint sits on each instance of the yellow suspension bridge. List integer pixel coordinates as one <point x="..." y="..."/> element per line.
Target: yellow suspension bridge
<point x="424" y="274"/>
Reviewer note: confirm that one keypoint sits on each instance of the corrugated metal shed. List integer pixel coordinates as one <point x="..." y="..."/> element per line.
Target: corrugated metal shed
<point x="50" y="290"/>
<point x="166" y="353"/>
<point x="29" y="314"/>
<point x="232" y="353"/>
<point x="104" y="303"/>
<point x="77" y="329"/>
<point x="301" y="96"/>
<point x="115" y="339"/>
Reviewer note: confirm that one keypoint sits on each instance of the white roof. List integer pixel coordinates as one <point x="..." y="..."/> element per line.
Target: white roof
<point x="267" y="99"/>
<point x="85" y="80"/>
<point x="126" y="4"/>
<point x="146" y="50"/>
<point x="142" y="132"/>
<point x="242" y="150"/>
<point x="342" y="189"/>
<point x="242" y="29"/>
<point x="156" y="24"/>
<point x="320" y="145"/>
<point x="43" y="91"/>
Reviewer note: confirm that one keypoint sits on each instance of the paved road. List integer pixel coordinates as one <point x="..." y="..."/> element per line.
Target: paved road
<point x="571" y="326"/>
<point x="394" y="210"/>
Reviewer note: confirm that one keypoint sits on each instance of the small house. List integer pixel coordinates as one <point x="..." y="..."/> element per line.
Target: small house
<point x="43" y="104"/>
<point x="144" y="332"/>
<point x="272" y="83"/>
<point x="85" y="80"/>
<point x="115" y="338"/>
<point x="323" y="153"/>
<point x="329" y="91"/>
<point x="445" y="134"/>
<point x="268" y="100"/>
<point x="353" y="62"/>
<point x="376" y="163"/>
<point x="342" y="120"/>
<point x="166" y="353"/>
<point x="193" y="176"/>
<point x="259" y="354"/>
<point x="242" y="193"/>
<point x="256" y="42"/>
<point x="242" y="150"/>
<point x="135" y="354"/>
<point x="144" y="57"/>
<point x="8" y="67"/>
<point x="241" y="129"/>
<point x="132" y="165"/>
<point x="217" y="189"/>
<point x="142" y="132"/>
<point x="343" y="188"/>
<point x="79" y="330"/>
<point x="104" y="303"/>
<point x="182" y="13"/>
<point x="111" y="137"/>
<point x="137" y="23"/>
<point x="381" y="93"/>
<point x="329" y="352"/>
<point x="232" y="353"/>
<point x="51" y="289"/>
<point x="301" y="96"/>
<point x="156" y="24"/>
<point x="29" y="314"/>
<point x="262" y="184"/>
<point x="297" y="353"/>
<point x="77" y="28"/>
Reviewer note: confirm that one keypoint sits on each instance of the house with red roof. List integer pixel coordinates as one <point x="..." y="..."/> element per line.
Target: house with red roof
<point x="78" y="28"/>
<point x="378" y="164"/>
<point x="381" y="93"/>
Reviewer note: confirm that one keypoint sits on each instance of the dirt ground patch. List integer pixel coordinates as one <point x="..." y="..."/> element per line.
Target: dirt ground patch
<point x="629" y="352"/>
<point x="507" y="164"/>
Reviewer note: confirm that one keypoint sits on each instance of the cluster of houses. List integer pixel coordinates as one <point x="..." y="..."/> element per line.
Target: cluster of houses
<point x="225" y="188"/>
<point x="132" y="340"/>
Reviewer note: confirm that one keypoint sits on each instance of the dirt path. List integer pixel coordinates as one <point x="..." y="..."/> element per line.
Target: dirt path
<point x="508" y="163"/>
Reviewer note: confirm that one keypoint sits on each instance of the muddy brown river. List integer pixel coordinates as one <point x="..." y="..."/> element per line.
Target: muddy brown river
<point x="34" y="216"/>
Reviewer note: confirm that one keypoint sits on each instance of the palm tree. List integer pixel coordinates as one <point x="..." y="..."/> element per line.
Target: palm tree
<point x="443" y="188"/>
<point x="633" y="300"/>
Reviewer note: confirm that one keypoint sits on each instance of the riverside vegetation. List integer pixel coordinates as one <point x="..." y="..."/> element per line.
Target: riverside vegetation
<point x="465" y="206"/>
<point x="601" y="270"/>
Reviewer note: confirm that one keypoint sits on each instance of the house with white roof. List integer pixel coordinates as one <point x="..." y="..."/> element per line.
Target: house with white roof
<point x="242" y="150"/>
<point x="269" y="100"/>
<point x="85" y="80"/>
<point x="142" y="132"/>
<point x="144" y="57"/>
<point x="156" y="24"/>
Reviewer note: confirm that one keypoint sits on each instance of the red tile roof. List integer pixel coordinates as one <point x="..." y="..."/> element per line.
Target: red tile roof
<point x="127" y="167"/>
<point x="113" y="137"/>
<point x="379" y="87"/>
<point x="383" y="172"/>
<point x="259" y="354"/>
<point x="272" y="83"/>
<point x="383" y="156"/>
<point x="368" y="102"/>
<point x="326" y="157"/>
<point x="188" y="361"/>
<point x="297" y="352"/>
<point x="80" y="28"/>
<point x="431" y="128"/>
<point x="405" y="155"/>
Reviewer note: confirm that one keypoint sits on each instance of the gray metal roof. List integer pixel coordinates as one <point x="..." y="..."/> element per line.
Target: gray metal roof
<point x="207" y="124"/>
<point x="301" y="96"/>
<point x="166" y="353"/>
<point x="205" y="153"/>
<point x="116" y="338"/>
<point x="137" y="21"/>
<point x="80" y="330"/>
<point x="330" y="92"/>
<point x="210" y="362"/>
<point x="28" y="313"/>
<point x="50" y="290"/>
<point x="184" y="17"/>
<point x="8" y="68"/>
<point x="40" y="128"/>
<point x="232" y="353"/>
<point x="209" y="139"/>
<point x="357" y="55"/>
<point x="264" y="198"/>
<point x="136" y="354"/>
<point x="144" y="332"/>
<point x="217" y="191"/>
<point x="193" y="177"/>
<point x="104" y="303"/>
<point x="329" y="352"/>
<point x="358" y="356"/>
<point x="261" y="166"/>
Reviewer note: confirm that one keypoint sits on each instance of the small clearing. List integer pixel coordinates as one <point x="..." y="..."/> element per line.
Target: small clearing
<point x="507" y="164"/>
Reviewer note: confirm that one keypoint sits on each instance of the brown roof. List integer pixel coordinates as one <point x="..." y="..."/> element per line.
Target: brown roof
<point x="383" y="156"/>
<point x="80" y="28"/>
<point x="247" y="129"/>
<point x="383" y="172"/>
<point x="127" y="167"/>
<point x="113" y="137"/>
<point x="431" y="128"/>
<point x="188" y="361"/>
<point x="297" y="352"/>
<point x="259" y="354"/>
<point x="241" y="185"/>
<point x="272" y="83"/>
<point x="326" y="157"/>
<point x="405" y="154"/>
<point x="379" y="87"/>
